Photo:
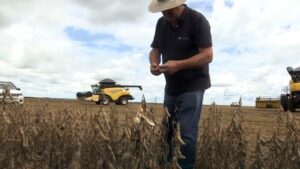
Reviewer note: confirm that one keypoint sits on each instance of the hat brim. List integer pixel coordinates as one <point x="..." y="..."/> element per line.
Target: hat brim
<point x="156" y="6"/>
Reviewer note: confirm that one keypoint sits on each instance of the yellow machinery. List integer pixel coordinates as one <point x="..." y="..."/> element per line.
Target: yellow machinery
<point x="108" y="91"/>
<point x="290" y="97"/>
<point x="265" y="102"/>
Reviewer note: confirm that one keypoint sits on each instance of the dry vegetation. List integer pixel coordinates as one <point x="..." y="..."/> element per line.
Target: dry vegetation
<point x="61" y="134"/>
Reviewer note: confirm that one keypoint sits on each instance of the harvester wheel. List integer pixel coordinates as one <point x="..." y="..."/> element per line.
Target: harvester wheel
<point x="291" y="105"/>
<point x="123" y="100"/>
<point x="105" y="100"/>
<point x="284" y="102"/>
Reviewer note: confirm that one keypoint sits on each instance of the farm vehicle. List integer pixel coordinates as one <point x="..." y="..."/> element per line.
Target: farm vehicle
<point x="108" y="91"/>
<point x="9" y="93"/>
<point x="290" y="97"/>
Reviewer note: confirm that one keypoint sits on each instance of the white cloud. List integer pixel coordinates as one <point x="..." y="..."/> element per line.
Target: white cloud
<point x="254" y="42"/>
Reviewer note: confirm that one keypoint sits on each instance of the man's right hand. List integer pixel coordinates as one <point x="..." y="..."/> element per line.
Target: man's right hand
<point x="154" y="68"/>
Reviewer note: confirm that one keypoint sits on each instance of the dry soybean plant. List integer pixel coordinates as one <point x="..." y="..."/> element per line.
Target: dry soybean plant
<point x="279" y="152"/>
<point x="222" y="147"/>
<point x="39" y="137"/>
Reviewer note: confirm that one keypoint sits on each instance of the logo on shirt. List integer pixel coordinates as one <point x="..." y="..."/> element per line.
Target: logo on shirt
<point x="183" y="38"/>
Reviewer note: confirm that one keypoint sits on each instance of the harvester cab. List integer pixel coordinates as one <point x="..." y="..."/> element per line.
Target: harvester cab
<point x="295" y="74"/>
<point x="290" y="98"/>
<point x="109" y="91"/>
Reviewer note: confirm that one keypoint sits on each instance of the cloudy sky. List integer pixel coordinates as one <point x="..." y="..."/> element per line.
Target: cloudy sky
<point x="54" y="48"/>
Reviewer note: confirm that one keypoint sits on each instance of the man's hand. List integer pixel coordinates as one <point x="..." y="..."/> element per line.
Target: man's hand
<point x="170" y="67"/>
<point x="154" y="68"/>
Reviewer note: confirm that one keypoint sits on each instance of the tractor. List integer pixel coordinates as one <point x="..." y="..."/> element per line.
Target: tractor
<point x="108" y="91"/>
<point x="290" y="97"/>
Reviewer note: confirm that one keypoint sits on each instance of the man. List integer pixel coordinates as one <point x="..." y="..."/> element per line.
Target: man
<point x="183" y="40"/>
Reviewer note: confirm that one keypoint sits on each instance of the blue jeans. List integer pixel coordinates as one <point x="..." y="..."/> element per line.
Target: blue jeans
<point x="186" y="109"/>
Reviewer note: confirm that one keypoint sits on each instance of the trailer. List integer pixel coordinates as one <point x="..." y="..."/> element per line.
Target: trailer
<point x="267" y="102"/>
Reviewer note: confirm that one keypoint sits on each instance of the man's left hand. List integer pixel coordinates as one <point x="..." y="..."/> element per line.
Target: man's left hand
<point x="170" y="67"/>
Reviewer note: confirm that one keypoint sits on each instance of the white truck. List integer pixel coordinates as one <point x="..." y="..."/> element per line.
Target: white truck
<point x="9" y="93"/>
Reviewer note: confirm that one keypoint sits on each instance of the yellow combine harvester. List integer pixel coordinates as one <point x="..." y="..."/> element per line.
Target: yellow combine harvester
<point x="290" y="98"/>
<point x="108" y="91"/>
<point x="267" y="102"/>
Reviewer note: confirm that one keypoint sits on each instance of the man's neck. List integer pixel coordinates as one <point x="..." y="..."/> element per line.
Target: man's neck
<point x="179" y="13"/>
<point x="180" y="10"/>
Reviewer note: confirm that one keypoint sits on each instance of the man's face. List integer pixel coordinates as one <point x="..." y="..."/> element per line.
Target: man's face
<point x="171" y="15"/>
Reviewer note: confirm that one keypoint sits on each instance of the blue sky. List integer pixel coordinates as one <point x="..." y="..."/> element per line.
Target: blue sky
<point x="90" y="40"/>
<point x="56" y="48"/>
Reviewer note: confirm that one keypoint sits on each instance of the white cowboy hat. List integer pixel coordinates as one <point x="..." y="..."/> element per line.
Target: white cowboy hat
<point x="162" y="5"/>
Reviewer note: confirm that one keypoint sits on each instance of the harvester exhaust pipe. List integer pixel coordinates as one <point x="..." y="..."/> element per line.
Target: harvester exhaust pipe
<point x="108" y="83"/>
<point x="138" y="86"/>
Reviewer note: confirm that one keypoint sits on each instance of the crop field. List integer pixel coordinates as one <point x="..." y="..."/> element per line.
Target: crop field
<point x="63" y="134"/>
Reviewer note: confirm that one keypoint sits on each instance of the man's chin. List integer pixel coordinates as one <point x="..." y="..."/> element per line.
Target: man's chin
<point x="172" y="22"/>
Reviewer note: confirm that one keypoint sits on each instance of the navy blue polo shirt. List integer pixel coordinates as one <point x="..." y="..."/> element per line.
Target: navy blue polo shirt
<point x="182" y="42"/>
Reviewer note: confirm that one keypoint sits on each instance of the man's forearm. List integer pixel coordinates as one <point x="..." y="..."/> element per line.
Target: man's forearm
<point x="154" y="56"/>
<point x="204" y="56"/>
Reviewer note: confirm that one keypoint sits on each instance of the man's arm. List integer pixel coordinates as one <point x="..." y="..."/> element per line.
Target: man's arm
<point x="204" y="56"/>
<point x="154" y="59"/>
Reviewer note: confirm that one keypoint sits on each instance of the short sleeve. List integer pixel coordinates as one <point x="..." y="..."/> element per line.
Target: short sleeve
<point x="155" y="43"/>
<point x="201" y="33"/>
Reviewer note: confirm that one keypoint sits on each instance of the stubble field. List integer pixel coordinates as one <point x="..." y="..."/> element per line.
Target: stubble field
<point x="56" y="133"/>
